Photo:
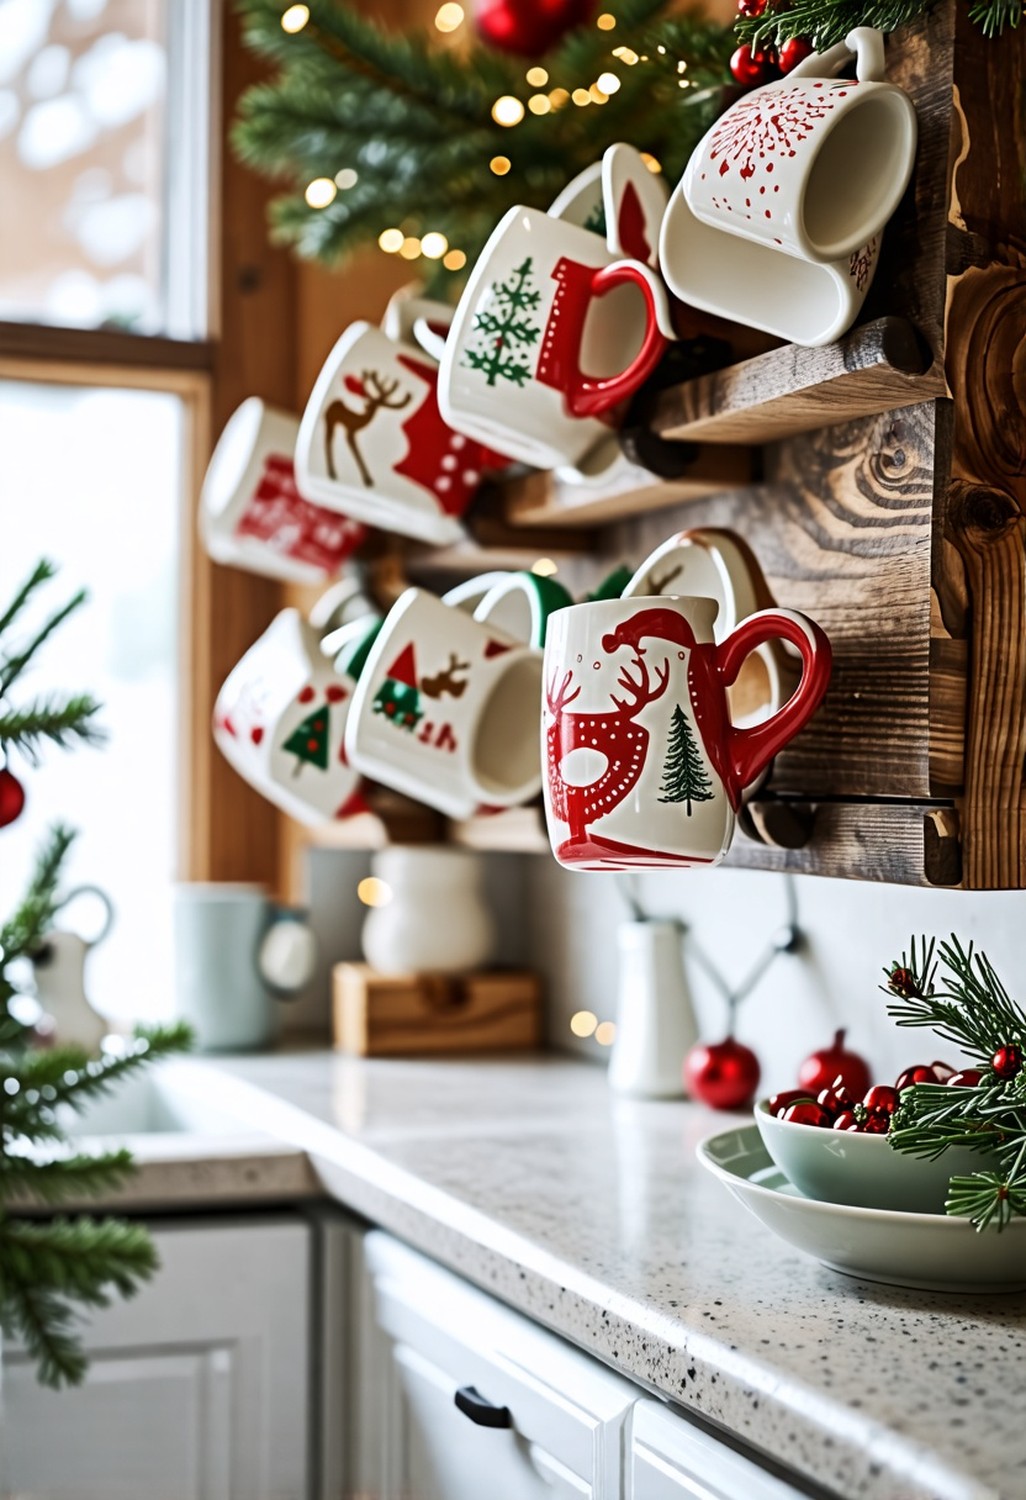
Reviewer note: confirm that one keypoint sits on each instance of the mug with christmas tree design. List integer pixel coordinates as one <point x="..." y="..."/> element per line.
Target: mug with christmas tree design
<point x="446" y="709"/>
<point x="550" y="335"/>
<point x="643" y="767"/>
<point x="280" y="721"/>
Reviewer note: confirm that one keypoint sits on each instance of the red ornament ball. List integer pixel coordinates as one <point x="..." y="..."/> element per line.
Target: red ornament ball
<point x="751" y="7"/>
<point x="528" y="27"/>
<point x="749" y="67"/>
<point x="822" y="1069"/>
<point x="793" y="52"/>
<point x="1007" y="1061"/>
<point x="12" y="797"/>
<point x="723" y="1074"/>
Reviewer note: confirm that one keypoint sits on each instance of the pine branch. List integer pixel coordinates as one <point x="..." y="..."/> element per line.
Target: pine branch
<point x="68" y="1075"/>
<point x="61" y="721"/>
<point x="42" y="573"/>
<point x="992" y="16"/>
<point x="13" y="666"/>
<point x="57" y="1178"/>
<point x="42" y="1322"/>
<point x="23" y="932"/>
<point x="825" y="22"/>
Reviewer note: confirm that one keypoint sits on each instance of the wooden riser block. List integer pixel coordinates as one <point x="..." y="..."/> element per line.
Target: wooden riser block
<point x="406" y="1015"/>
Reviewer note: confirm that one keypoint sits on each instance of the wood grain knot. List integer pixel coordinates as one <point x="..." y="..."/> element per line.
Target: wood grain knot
<point x="980" y="513"/>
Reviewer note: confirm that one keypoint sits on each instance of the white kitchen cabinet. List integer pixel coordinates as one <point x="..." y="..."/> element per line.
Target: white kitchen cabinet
<point x="673" y="1459"/>
<point x="441" y="1361"/>
<point x="198" y="1388"/>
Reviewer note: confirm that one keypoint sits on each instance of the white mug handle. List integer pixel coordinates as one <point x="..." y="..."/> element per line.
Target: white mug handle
<point x="105" y="901"/>
<point x="287" y="955"/>
<point x="864" y="43"/>
<point x="332" y="609"/>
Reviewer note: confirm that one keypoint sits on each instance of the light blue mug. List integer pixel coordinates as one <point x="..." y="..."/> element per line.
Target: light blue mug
<point x="236" y="953"/>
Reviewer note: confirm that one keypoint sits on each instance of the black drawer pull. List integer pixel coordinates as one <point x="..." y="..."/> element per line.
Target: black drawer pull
<point x="473" y="1405"/>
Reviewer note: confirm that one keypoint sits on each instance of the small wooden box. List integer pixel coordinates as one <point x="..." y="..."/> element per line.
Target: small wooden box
<point x="380" y="1015"/>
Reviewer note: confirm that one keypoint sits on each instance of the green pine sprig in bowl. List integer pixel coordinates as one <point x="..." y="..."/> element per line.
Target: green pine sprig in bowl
<point x="956" y="993"/>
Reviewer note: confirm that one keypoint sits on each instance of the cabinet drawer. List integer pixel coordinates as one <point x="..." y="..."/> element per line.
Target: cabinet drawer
<point x="672" y="1459"/>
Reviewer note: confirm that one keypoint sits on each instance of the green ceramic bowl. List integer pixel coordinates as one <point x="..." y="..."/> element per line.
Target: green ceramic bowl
<point x="863" y="1171"/>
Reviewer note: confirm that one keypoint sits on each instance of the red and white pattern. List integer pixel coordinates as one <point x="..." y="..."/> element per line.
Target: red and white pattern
<point x="276" y="513"/>
<point x="439" y="459"/>
<point x="863" y="262"/>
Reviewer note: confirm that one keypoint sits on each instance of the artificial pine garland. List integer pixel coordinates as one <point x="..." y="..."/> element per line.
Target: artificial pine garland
<point x="824" y="22"/>
<point x="986" y="1110"/>
<point x="49" y="1265"/>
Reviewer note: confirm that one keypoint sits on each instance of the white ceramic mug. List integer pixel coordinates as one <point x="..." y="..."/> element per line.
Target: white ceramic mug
<point x="551" y="333"/>
<point x="280" y="721"/>
<point x="252" y="514"/>
<point x="618" y="198"/>
<point x="643" y="767"/>
<point x="811" y="164"/>
<point x="520" y="604"/>
<point x="373" y="444"/>
<point x="446" y="710"/>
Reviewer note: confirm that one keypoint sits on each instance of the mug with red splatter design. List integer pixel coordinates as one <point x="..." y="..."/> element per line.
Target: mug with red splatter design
<point x="446" y="709"/>
<point x="643" y="767"/>
<point x="280" y="721"/>
<point x="372" y="442"/>
<point x="812" y="164"/>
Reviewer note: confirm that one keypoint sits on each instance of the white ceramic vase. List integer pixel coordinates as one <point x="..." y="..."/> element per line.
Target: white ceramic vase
<point x="655" y="1019"/>
<point x="436" y="920"/>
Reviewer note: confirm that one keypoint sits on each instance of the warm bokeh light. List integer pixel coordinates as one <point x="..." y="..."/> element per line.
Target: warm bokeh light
<point x="581" y="97"/>
<point x="320" y="192"/>
<point x="539" y="104"/>
<point x="559" y="97"/>
<point x="373" y="892"/>
<point x="651" y="162"/>
<point x="605" y="1033"/>
<point x="544" y="567"/>
<point x="583" y="1023"/>
<point x="434" y="245"/>
<point x="346" y="179"/>
<point x="599" y="95"/>
<point x="537" y="77"/>
<point x="605" y="22"/>
<point x="507" y="110"/>
<point x="500" y="165"/>
<point x="410" y="247"/>
<point x="449" y="17"/>
<point x="391" y="240"/>
<point x="455" y="260"/>
<point x="608" y="83"/>
<point x="626" y="55"/>
<point x="295" y="18"/>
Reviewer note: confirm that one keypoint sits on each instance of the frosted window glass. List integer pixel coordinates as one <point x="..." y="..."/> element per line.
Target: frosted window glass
<point x="91" y="479"/>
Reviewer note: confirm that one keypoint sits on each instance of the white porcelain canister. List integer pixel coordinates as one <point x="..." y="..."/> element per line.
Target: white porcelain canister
<point x="436" y="919"/>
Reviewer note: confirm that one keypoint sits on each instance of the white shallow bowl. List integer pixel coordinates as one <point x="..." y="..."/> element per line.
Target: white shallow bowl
<point x="862" y="1170"/>
<point x="930" y="1251"/>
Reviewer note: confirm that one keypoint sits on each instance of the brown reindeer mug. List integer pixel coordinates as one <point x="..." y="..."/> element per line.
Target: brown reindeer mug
<point x="643" y="768"/>
<point x="372" y="443"/>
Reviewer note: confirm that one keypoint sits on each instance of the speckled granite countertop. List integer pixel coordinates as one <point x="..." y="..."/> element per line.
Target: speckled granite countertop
<point x="592" y="1215"/>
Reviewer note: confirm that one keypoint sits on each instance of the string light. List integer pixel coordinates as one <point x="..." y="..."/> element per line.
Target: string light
<point x="454" y="261"/>
<point x="449" y="17"/>
<point x="539" y="104"/>
<point x="410" y="247"/>
<point x="434" y="245"/>
<point x="544" y="567"/>
<point x="537" y="77"/>
<point x="320" y="192"/>
<point x="507" y="110"/>
<point x="373" y="892"/>
<point x="581" y="97"/>
<point x="626" y="55"/>
<point x="559" y="97"/>
<point x="599" y="95"/>
<point x="295" y="18"/>
<point x="500" y="165"/>
<point x="583" y="1022"/>
<point x="605" y="1033"/>
<point x="605" y="22"/>
<point x="391" y="240"/>
<point x="682" y="66"/>
<point x="347" y="178"/>
<point x="608" y="83"/>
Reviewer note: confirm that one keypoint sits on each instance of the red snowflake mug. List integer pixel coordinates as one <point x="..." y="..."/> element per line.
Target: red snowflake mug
<point x="551" y="333"/>
<point x="643" y="767"/>
<point x="812" y="164"/>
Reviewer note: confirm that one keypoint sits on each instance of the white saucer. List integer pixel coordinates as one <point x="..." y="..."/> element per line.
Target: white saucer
<point x="933" y="1252"/>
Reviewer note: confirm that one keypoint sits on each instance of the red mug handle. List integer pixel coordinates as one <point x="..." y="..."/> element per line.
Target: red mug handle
<point x="751" y="750"/>
<point x="591" y="395"/>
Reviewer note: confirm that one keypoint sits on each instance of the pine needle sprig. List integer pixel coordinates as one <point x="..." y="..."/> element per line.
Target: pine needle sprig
<point x="57" y="720"/>
<point x="12" y="667"/>
<point x="43" y="571"/>
<point x="29" y="1178"/>
<point x="22" y="933"/>
<point x="825" y="22"/>
<point x="68" y="1075"/>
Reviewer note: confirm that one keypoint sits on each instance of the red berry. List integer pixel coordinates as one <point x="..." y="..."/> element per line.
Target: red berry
<point x="968" y="1078"/>
<point x="822" y="1069"/>
<point x="779" y="1102"/>
<point x="919" y="1074"/>
<point x="794" y="52"/>
<point x="1007" y="1061"/>
<point x="846" y="1121"/>
<point x="751" y="8"/>
<point x="749" y="68"/>
<point x="831" y="1101"/>
<point x="806" y="1114"/>
<point x="881" y="1097"/>
<point x="877" y="1121"/>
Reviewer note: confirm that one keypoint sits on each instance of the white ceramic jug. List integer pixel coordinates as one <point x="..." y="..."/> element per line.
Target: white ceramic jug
<point x="435" y="920"/>
<point x="58" y="969"/>
<point x="655" y="1019"/>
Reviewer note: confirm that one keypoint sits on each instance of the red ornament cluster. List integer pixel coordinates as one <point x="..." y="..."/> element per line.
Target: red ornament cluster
<point x="839" y="1107"/>
<point x="753" y="66"/>
<point x="819" y="1070"/>
<point x="528" y="27"/>
<point x="724" y="1075"/>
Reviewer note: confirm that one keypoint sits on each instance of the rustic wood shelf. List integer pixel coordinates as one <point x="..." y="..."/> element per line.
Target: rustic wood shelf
<point x="876" y="368"/>
<point x="542" y="500"/>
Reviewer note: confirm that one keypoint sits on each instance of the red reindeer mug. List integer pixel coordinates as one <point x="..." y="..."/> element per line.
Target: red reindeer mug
<point x="643" y="767"/>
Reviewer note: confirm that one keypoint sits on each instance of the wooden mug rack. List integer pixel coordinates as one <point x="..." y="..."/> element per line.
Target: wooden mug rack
<point x="881" y="481"/>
